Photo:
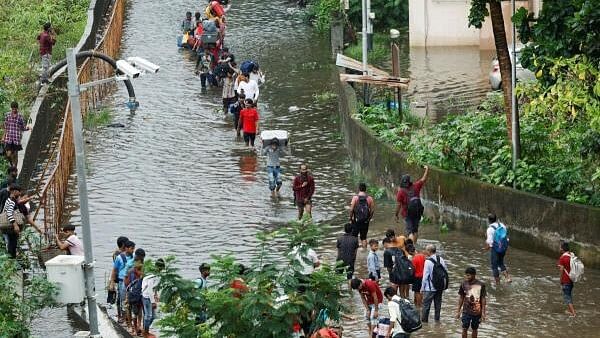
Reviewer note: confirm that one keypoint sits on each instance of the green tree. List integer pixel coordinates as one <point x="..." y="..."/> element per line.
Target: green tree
<point x="564" y="28"/>
<point x="272" y="303"/>
<point x="18" y="307"/>
<point x="477" y="15"/>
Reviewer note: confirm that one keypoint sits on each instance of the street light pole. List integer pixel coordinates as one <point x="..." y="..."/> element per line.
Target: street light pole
<point x="516" y="143"/>
<point x="90" y="289"/>
<point x="365" y="48"/>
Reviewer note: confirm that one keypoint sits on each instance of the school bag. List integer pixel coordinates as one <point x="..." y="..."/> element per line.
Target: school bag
<point x="439" y="276"/>
<point x="134" y="290"/>
<point x="415" y="207"/>
<point x="382" y="328"/>
<point x="411" y="320"/>
<point x="209" y="26"/>
<point x="209" y="39"/>
<point x="361" y="210"/>
<point x="500" y="243"/>
<point x="403" y="271"/>
<point x="576" y="268"/>
<point x="246" y="67"/>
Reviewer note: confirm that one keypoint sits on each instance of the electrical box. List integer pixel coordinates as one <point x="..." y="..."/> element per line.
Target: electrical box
<point x="66" y="271"/>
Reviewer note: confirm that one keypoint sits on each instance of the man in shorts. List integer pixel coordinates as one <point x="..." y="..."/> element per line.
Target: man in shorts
<point x="14" y="126"/>
<point x="304" y="189"/>
<point x="472" y="299"/>
<point x="409" y="204"/>
<point x="249" y="122"/>
<point x="372" y="299"/>
<point x="362" y="208"/>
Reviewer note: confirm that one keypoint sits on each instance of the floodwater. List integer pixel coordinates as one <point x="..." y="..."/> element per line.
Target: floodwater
<point x="177" y="181"/>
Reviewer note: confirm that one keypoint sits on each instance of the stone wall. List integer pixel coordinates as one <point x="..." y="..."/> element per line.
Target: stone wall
<point x="536" y="223"/>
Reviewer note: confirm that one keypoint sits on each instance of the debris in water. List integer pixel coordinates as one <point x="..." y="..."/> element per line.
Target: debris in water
<point x="293" y="109"/>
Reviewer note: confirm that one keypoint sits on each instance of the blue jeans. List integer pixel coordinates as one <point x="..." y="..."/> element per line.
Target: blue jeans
<point x="274" y="177"/>
<point x="121" y="293"/>
<point x="567" y="290"/>
<point x="497" y="262"/>
<point x="149" y="313"/>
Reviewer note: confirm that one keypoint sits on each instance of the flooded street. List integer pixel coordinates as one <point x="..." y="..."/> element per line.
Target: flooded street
<point x="177" y="181"/>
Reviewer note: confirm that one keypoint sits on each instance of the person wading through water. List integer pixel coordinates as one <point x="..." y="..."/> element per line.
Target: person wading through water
<point x="362" y="209"/>
<point x="409" y="204"/>
<point x="304" y="189"/>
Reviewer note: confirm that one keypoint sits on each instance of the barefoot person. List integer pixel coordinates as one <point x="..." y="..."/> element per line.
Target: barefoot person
<point x="472" y="299"/>
<point x="304" y="188"/>
<point x="409" y="204"/>
<point x="362" y="208"/>
<point x="14" y="126"/>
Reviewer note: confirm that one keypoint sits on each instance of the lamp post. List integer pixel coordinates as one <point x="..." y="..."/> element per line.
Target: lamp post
<point x="74" y="89"/>
<point x="515" y="137"/>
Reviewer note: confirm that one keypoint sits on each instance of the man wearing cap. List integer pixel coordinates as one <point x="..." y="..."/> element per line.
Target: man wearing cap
<point x="409" y="203"/>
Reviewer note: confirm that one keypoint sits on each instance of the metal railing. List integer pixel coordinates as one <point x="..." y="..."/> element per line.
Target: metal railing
<point x="54" y="187"/>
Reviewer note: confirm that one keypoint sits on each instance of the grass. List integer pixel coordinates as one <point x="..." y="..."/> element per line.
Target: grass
<point x="98" y="118"/>
<point x="324" y="97"/>
<point x="20" y="23"/>
<point x="381" y="50"/>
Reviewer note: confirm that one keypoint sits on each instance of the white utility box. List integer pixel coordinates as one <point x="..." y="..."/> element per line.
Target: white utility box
<point x="66" y="271"/>
<point x="268" y="135"/>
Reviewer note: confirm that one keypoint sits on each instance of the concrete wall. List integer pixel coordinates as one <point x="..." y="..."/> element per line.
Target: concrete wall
<point x="440" y="23"/>
<point x="445" y="23"/>
<point x="535" y="223"/>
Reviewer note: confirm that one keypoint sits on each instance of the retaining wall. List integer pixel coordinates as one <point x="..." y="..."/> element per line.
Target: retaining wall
<point x="535" y="223"/>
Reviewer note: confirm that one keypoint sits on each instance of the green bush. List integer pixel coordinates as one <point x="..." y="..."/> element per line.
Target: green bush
<point x="381" y="50"/>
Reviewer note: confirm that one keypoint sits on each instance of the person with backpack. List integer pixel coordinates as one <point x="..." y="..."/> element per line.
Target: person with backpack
<point x="435" y="281"/>
<point x="201" y="282"/>
<point x="571" y="269"/>
<point x="371" y="297"/>
<point x="472" y="301"/>
<point x="362" y="208"/>
<point x="400" y="269"/>
<point x="118" y="274"/>
<point x="133" y="282"/>
<point x="150" y="296"/>
<point x="409" y="204"/>
<point x="497" y="243"/>
<point x="404" y="317"/>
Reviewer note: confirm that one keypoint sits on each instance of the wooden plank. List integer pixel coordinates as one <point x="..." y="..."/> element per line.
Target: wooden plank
<point x="347" y="62"/>
<point x="392" y="82"/>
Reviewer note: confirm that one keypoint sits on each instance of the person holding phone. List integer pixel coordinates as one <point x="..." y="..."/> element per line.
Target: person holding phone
<point x="46" y="39"/>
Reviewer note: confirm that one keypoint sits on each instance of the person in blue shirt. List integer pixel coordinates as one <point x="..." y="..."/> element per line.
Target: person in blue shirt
<point x="118" y="275"/>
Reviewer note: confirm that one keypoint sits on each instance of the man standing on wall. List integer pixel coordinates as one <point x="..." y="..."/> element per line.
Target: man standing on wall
<point x="46" y="39"/>
<point x="14" y="126"/>
<point x="304" y="189"/>
<point x="409" y="204"/>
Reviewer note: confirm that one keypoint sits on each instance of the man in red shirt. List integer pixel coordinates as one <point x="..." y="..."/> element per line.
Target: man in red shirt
<point x="418" y="260"/>
<point x="371" y="297"/>
<point x="249" y="122"/>
<point x="409" y="204"/>
<point x="46" y="39"/>
<point x="564" y="265"/>
<point x="304" y="188"/>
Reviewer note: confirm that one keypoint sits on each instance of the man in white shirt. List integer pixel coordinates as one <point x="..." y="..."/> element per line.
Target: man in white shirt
<point x="248" y="88"/>
<point x="428" y="288"/>
<point x="395" y="329"/>
<point x="72" y="243"/>
<point x="496" y="258"/>
<point x="150" y="296"/>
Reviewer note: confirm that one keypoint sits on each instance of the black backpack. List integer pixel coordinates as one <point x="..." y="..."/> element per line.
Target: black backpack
<point x="361" y="210"/>
<point x="134" y="291"/>
<point x="415" y="207"/>
<point x="439" y="276"/>
<point x="403" y="271"/>
<point x="410" y="318"/>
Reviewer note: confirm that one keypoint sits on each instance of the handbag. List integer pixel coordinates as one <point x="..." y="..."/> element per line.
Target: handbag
<point x="5" y="226"/>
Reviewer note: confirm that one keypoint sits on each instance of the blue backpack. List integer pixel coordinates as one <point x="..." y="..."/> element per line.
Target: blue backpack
<point x="500" y="238"/>
<point x="247" y="67"/>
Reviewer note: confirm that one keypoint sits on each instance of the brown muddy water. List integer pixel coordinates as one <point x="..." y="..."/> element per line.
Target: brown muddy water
<point x="176" y="180"/>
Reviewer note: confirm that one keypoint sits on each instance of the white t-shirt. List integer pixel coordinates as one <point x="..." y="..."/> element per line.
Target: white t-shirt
<point x="489" y="238"/>
<point x="395" y="315"/>
<point x="149" y="284"/>
<point x="75" y="246"/>
<point x="310" y="256"/>
<point x="250" y="89"/>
